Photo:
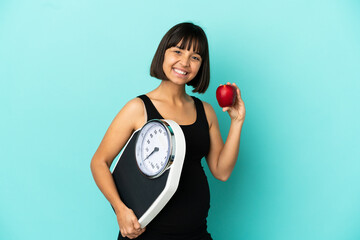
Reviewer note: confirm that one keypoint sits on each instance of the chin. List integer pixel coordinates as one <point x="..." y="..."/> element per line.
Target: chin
<point x="178" y="81"/>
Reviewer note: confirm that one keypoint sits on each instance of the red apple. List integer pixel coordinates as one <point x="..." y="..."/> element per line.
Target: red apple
<point x="226" y="94"/>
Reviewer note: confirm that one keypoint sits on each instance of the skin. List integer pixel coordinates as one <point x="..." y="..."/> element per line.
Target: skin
<point x="174" y="103"/>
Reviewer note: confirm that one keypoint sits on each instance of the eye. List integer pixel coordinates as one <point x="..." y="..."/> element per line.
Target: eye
<point x="177" y="51"/>
<point x="196" y="58"/>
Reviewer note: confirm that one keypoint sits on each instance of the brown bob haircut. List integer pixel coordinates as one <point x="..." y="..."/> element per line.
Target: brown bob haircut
<point x="190" y="35"/>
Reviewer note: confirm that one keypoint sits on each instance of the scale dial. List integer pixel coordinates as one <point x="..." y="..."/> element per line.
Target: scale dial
<point x="154" y="148"/>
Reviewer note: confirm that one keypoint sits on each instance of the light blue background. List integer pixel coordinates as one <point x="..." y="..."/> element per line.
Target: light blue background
<point x="67" y="67"/>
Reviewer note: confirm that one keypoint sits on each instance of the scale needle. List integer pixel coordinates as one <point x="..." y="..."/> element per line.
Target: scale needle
<point x="155" y="150"/>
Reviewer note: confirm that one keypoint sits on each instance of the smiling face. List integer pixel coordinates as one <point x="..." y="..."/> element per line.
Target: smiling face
<point x="180" y="64"/>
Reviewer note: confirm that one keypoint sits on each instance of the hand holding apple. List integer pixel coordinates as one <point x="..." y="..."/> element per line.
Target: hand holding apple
<point x="229" y="98"/>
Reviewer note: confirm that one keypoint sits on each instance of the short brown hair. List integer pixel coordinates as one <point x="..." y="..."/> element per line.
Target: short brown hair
<point x="188" y="34"/>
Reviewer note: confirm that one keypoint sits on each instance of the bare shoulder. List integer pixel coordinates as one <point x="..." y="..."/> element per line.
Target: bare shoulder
<point x="210" y="113"/>
<point x="133" y="113"/>
<point x="134" y="105"/>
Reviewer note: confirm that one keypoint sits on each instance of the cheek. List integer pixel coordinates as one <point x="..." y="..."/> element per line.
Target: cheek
<point x="165" y="62"/>
<point x="168" y="60"/>
<point x="196" y="68"/>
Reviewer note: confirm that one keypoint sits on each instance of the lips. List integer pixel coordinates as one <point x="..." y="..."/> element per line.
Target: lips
<point x="181" y="72"/>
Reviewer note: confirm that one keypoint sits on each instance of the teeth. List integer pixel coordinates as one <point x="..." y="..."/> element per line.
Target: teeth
<point x="179" y="71"/>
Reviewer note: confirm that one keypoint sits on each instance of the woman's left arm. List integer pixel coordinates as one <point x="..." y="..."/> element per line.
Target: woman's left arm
<point x="222" y="157"/>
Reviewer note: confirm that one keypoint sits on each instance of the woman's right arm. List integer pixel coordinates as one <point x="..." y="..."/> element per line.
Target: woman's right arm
<point x="130" y="118"/>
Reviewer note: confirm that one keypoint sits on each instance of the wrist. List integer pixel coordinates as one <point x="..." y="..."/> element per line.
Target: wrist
<point x="237" y="122"/>
<point x="119" y="208"/>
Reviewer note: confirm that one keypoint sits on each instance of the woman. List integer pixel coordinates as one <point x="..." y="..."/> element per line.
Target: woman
<point x="181" y="58"/>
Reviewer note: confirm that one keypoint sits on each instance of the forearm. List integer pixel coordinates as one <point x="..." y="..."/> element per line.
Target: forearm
<point x="230" y="151"/>
<point x="105" y="182"/>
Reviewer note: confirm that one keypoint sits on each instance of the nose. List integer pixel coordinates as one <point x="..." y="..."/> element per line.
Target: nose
<point x="185" y="60"/>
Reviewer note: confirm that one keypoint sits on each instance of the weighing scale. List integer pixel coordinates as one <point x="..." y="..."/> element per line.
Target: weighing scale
<point x="148" y="170"/>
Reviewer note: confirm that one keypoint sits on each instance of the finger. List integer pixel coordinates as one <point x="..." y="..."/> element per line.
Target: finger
<point x="238" y="93"/>
<point x="225" y="109"/>
<point x="131" y="235"/>
<point x="134" y="235"/>
<point x="138" y="234"/>
<point x="237" y="89"/>
<point x="140" y="231"/>
<point x="235" y="86"/>
<point x="130" y="231"/>
<point x="136" y="224"/>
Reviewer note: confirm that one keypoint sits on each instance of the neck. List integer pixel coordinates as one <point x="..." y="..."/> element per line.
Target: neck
<point x="170" y="91"/>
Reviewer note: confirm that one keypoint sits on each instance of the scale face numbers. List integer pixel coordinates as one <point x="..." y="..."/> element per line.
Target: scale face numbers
<point x="154" y="148"/>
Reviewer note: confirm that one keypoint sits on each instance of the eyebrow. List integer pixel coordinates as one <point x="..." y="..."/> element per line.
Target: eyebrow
<point x="184" y="48"/>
